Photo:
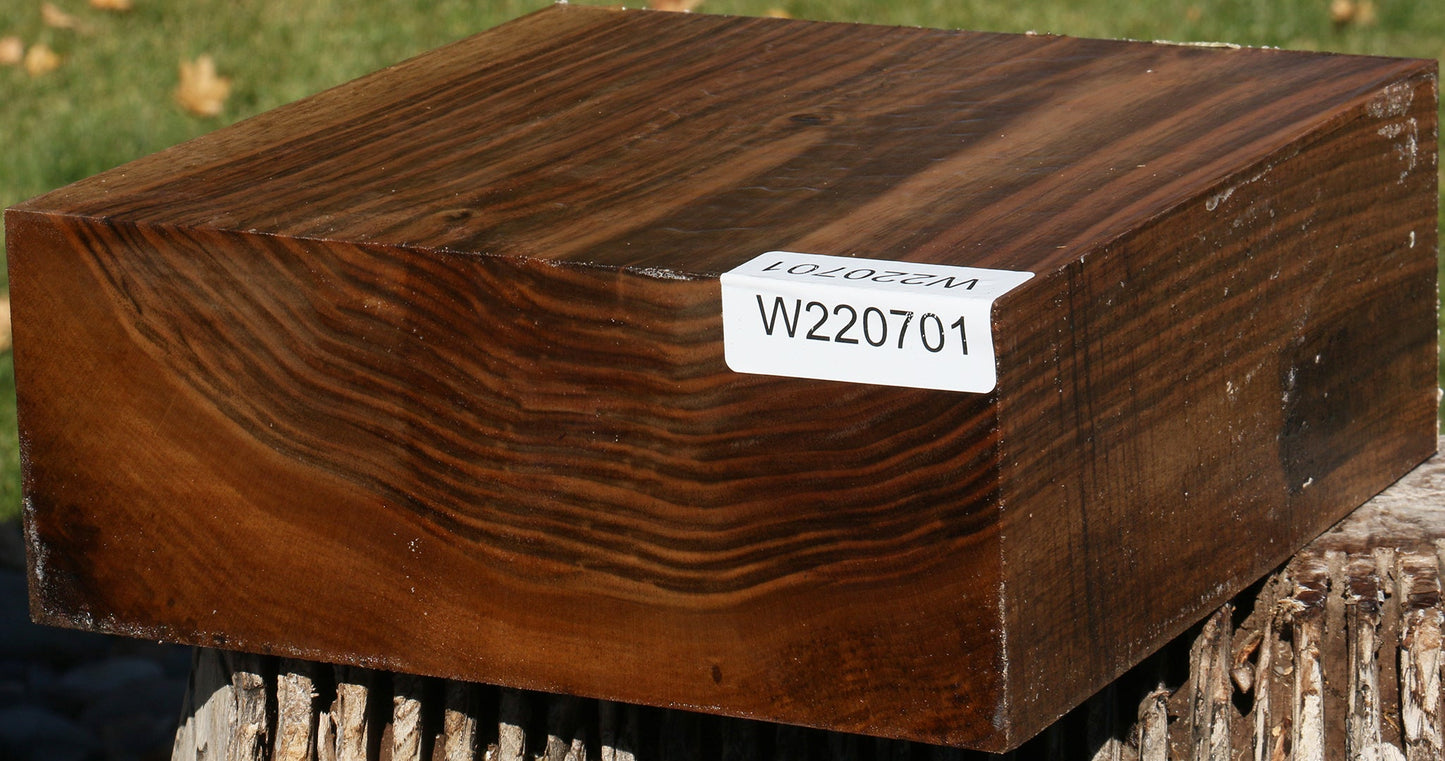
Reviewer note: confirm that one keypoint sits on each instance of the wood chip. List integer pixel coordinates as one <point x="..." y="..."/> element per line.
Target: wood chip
<point x="406" y="727"/>
<point x="459" y="722"/>
<point x="1153" y="726"/>
<point x="208" y="710"/>
<point x="251" y="738"/>
<point x="1418" y="589"/>
<point x="1308" y="741"/>
<point x="326" y="736"/>
<point x="1210" y="664"/>
<point x="353" y="732"/>
<point x="1363" y="597"/>
<point x="295" y="711"/>
<point x="513" y="712"/>
<point x="1264" y="684"/>
<point x="1420" y="664"/>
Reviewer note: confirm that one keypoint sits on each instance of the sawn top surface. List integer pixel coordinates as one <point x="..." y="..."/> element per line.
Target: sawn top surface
<point x="691" y="143"/>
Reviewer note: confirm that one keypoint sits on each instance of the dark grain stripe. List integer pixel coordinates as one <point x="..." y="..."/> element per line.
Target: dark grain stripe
<point x="483" y="439"/>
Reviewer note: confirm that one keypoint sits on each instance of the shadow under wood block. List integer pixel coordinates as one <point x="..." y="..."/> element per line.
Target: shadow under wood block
<point x="476" y="368"/>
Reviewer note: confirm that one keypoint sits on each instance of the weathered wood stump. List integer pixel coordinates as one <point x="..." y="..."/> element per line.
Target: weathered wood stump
<point x="1336" y="655"/>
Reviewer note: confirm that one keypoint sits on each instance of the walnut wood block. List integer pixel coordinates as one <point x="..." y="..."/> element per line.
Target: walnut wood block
<point x="425" y="373"/>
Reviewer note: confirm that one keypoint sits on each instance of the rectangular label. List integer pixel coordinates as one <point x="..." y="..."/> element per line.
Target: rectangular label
<point x="863" y="320"/>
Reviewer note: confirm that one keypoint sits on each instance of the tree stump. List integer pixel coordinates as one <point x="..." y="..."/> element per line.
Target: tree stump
<point x="1335" y="655"/>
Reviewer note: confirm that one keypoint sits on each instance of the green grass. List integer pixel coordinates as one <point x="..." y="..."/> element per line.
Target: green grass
<point x="111" y="99"/>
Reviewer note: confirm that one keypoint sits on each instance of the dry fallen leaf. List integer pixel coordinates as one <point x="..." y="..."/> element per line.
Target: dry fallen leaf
<point x="673" y="5"/>
<point x="111" y="5"/>
<point x="201" y="92"/>
<point x="56" y="18"/>
<point x="777" y="13"/>
<point x="40" y="59"/>
<point x="1342" y="11"/>
<point x="4" y="323"/>
<point x="12" y="51"/>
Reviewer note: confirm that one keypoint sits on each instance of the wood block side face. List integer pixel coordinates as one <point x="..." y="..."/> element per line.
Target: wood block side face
<point x="1222" y="385"/>
<point x="499" y="470"/>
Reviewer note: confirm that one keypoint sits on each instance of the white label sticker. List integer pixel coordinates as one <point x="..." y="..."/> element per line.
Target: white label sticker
<point x="863" y="320"/>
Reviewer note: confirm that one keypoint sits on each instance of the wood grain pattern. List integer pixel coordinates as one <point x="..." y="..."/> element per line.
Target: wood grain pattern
<point x="1252" y="409"/>
<point x="438" y="353"/>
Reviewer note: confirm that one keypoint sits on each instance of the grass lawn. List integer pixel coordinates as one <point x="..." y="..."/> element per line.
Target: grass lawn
<point x="110" y="99"/>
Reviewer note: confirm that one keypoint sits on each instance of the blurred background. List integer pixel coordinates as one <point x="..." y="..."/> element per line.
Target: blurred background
<point x="86" y="85"/>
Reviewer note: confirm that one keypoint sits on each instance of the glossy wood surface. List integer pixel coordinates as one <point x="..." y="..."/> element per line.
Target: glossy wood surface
<point x="425" y="372"/>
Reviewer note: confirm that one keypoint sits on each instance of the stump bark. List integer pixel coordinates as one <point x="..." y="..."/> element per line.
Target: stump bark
<point x="1335" y="655"/>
